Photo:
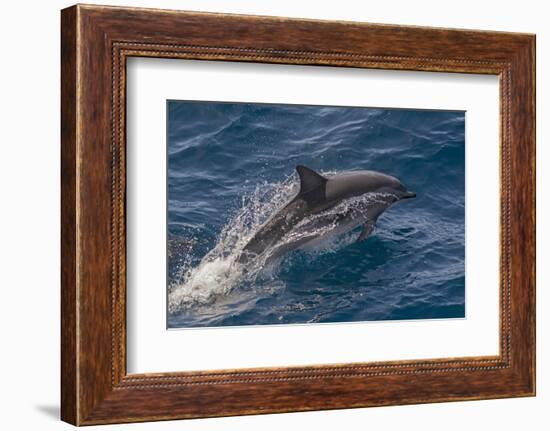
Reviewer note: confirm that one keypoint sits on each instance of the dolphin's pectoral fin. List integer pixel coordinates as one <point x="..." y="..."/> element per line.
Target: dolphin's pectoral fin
<point x="312" y="185"/>
<point x="368" y="227"/>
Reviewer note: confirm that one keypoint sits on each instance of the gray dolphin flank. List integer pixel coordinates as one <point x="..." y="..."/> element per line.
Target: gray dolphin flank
<point x="326" y="206"/>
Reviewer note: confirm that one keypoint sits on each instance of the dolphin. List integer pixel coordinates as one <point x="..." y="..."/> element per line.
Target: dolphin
<point x="325" y="205"/>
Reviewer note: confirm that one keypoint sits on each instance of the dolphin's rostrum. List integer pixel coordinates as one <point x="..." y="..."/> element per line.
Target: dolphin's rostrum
<point x="326" y="205"/>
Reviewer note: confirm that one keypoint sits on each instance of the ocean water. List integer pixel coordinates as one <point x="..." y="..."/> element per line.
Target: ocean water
<point x="231" y="166"/>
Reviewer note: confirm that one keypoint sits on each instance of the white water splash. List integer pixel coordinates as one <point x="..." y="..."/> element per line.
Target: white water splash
<point x="219" y="272"/>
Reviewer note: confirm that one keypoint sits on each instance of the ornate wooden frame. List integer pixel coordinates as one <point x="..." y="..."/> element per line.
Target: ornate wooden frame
<point x="95" y="43"/>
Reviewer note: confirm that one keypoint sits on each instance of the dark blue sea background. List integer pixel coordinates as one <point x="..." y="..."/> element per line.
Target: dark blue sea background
<point x="231" y="165"/>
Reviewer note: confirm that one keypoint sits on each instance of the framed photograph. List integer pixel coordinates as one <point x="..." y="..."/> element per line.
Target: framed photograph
<point x="264" y="215"/>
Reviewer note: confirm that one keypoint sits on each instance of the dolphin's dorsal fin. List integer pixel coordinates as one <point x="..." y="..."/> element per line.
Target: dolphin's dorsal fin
<point x="312" y="185"/>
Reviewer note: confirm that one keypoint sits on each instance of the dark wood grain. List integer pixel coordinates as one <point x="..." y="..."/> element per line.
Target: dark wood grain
<point x="69" y="367"/>
<point x="96" y="41"/>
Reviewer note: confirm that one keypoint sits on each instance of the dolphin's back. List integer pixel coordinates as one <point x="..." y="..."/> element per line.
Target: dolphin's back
<point x="275" y="228"/>
<point x="357" y="183"/>
<point x="310" y="198"/>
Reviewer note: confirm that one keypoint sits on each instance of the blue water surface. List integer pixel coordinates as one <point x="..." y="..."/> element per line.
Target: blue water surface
<point x="412" y="265"/>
